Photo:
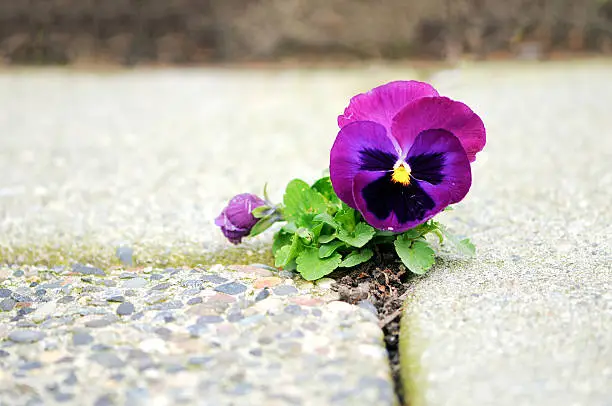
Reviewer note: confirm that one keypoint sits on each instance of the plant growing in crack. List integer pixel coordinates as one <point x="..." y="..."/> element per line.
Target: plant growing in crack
<point x="403" y="155"/>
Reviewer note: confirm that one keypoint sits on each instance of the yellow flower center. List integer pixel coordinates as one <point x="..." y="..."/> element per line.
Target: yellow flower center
<point x="401" y="173"/>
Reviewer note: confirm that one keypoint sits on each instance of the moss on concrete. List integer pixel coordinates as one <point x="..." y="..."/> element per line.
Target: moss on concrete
<point x="50" y="255"/>
<point x="413" y="377"/>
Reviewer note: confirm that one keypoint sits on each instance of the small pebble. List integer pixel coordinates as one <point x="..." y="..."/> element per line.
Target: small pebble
<point x="125" y="309"/>
<point x="116" y="299"/>
<point x="30" y="365"/>
<point x="232" y="288"/>
<point x="88" y="270"/>
<point x="18" y="273"/>
<point x="213" y="278"/>
<point x="200" y="360"/>
<point x="98" y="323"/>
<point x="135" y="283"/>
<point x="193" y="283"/>
<point x="194" y="300"/>
<point x="287" y="274"/>
<point x="127" y="275"/>
<point x="108" y="283"/>
<point x="65" y="299"/>
<point x="5" y="292"/>
<point x="163" y="332"/>
<point x="105" y="400"/>
<point x="71" y="379"/>
<point x="293" y="309"/>
<point x="165" y="316"/>
<point x="82" y="338"/>
<point x="21" y="298"/>
<point x="26" y="336"/>
<point x="63" y="397"/>
<point x="161" y="286"/>
<point x="108" y="360"/>
<point x="262" y="294"/>
<point x="209" y="319"/>
<point x="100" y="347"/>
<point x="285" y="290"/>
<point x="7" y="304"/>
<point x="267" y="282"/>
<point x="137" y="316"/>
<point x="234" y="317"/>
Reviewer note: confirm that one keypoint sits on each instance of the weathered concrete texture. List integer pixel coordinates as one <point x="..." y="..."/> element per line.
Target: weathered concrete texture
<point x="529" y="322"/>
<point x="91" y="336"/>
<point x="91" y="161"/>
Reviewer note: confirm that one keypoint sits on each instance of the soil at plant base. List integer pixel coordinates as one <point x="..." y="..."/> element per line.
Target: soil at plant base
<point x="383" y="281"/>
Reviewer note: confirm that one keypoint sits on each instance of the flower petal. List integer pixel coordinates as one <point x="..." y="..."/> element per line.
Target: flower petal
<point x="440" y="175"/>
<point x="439" y="163"/>
<point x="382" y="103"/>
<point x="239" y="208"/>
<point x="440" y="113"/>
<point x="359" y="146"/>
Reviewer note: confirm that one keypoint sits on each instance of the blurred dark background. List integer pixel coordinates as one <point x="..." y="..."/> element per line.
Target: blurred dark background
<point x="132" y="32"/>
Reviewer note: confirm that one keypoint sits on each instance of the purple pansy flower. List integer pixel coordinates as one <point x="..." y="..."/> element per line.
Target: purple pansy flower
<point x="236" y="220"/>
<point x="403" y="154"/>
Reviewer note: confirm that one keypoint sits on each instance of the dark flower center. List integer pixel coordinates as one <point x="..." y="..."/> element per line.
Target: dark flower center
<point x="428" y="167"/>
<point x="376" y="160"/>
<point x="408" y="201"/>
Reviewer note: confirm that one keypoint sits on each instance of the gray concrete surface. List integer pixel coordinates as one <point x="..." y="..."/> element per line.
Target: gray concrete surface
<point x="133" y="167"/>
<point x="529" y="321"/>
<point x="93" y="160"/>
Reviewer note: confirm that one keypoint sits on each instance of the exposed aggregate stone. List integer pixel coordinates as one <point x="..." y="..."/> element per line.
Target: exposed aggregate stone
<point x="213" y="336"/>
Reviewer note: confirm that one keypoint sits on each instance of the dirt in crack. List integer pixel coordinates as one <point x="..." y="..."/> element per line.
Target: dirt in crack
<point x="383" y="282"/>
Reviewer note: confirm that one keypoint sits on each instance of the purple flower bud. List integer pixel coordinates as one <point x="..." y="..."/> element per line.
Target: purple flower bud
<point x="236" y="220"/>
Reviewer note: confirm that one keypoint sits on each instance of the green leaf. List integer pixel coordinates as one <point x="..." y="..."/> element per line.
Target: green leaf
<point x="466" y="247"/>
<point x="316" y="230"/>
<point x="384" y="233"/>
<point x="326" y="219"/>
<point x="346" y="218"/>
<point x="463" y="246"/>
<point x="287" y="253"/>
<point x="280" y="239"/>
<point x="291" y="266"/>
<point x="311" y="267"/>
<point x="261" y="211"/>
<point x="360" y="237"/>
<point x="289" y="228"/>
<point x="416" y="255"/>
<point x="302" y="202"/>
<point x="422" y="229"/>
<point x="324" y="186"/>
<point x="324" y="239"/>
<point x="325" y="250"/>
<point x="357" y="257"/>
<point x="264" y="223"/>
<point x="282" y="255"/>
